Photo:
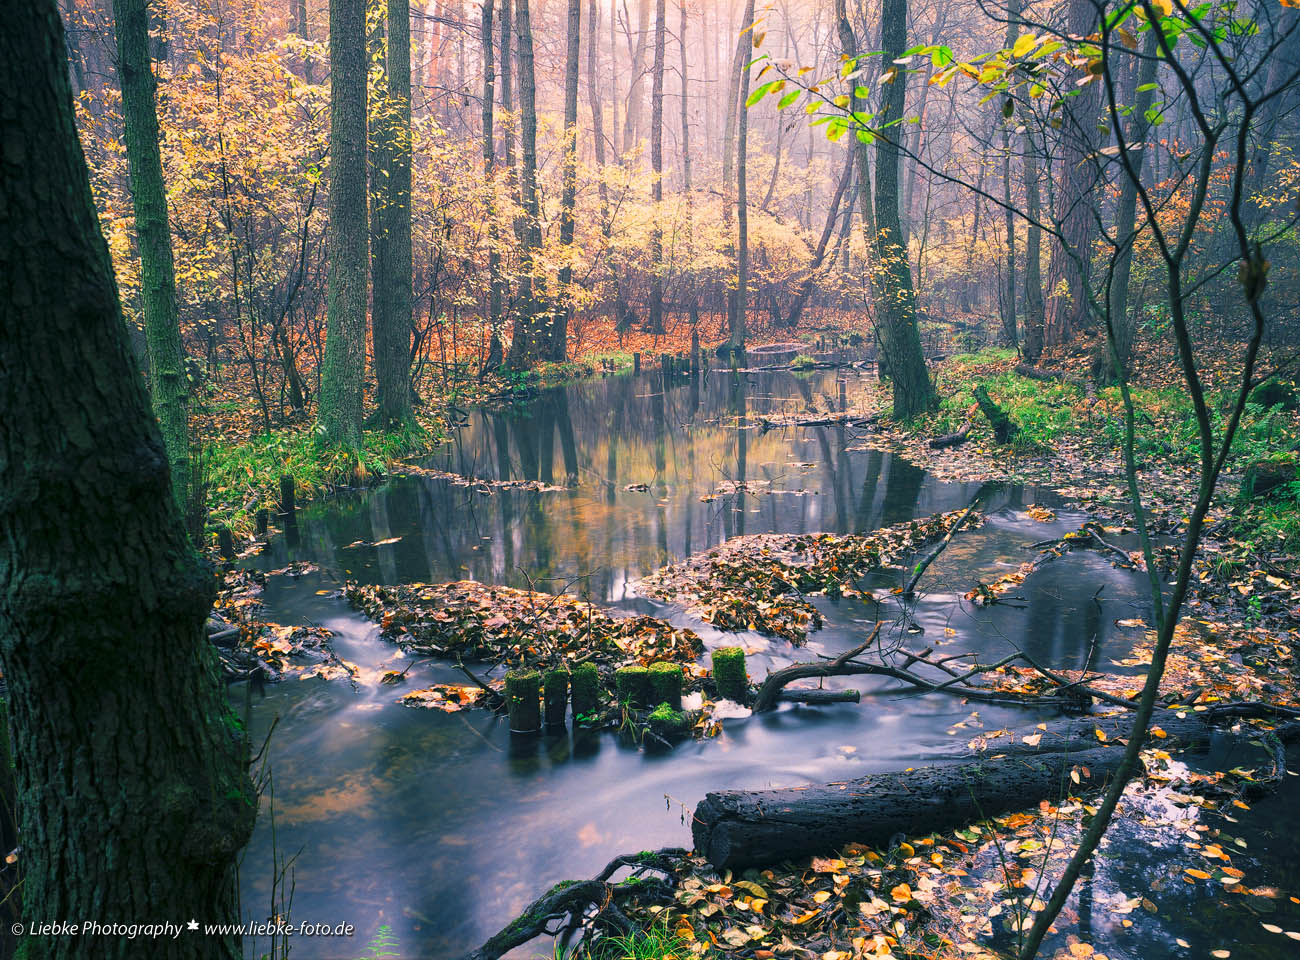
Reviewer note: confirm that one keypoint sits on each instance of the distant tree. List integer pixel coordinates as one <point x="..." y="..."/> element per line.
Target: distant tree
<point x="168" y="383"/>
<point x="132" y="790"/>
<point x="345" y="335"/>
<point x="495" y="351"/>
<point x="391" y="231"/>
<point x="569" y="176"/>
<point x="657" y="173"/>
<point x="1067" y="280"/>
<point x="531" y="337"/>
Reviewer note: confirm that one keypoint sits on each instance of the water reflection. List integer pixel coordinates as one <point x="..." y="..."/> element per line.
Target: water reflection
<point x="443" y="826"/>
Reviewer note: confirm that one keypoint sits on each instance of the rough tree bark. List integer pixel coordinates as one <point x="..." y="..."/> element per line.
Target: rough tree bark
<point x="391" y="243"/>
<point x="132" y="793"/>
<point x="734" y="102"/>
<point x="569" y="189"/>
<point x="740" y="316"/>
<point x="1009" y="217"/>
<point x="495" y="351"/>
<point x="895" y="300"/>
<point x="657" y="172"/>
<point x="531" y="336"/>
<point x="736" y="828"/>
<point x="345" y="326"/>
<point x="1067" y="282"/>
<point x="1126" y="211"/>
<point x="168" y="384"/>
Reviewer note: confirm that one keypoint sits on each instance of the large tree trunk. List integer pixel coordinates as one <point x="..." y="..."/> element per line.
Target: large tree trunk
<point x="598" y="140"/>
<point x="495" y="351"/>
<point x="532" y="324"/>
<point x="345" y="327"/>
<point x="1126" y="210"/>
<point x="734" y="103"/>
<point x="132" y="793"/>
<point x="657" y="174"/>
<point x="1067" y="308"/>
<point x="895" y="299"/>
<point x="391" y="250"/>
<point x="569" y="189"/>
<point x="168" y="384"/>
<point x="1032" y="348"/>
<point x="1008" y="213"/>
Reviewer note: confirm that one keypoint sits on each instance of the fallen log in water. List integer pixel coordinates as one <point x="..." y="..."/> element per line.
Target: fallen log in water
<point x="952" y="439"/>
<point x="737" y="828"/>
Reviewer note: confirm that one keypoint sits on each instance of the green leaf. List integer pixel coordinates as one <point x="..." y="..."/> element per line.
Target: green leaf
<point x="760" y="92"/>
<point x="866" y="136"/>
<point x="861" y="92"/>
<point x="941" y="57"/>
<point x="1148" y="86"/>
<point x="788" y="99"/>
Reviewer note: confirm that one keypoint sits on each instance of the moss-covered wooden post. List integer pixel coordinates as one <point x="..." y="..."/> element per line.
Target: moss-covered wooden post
<point x="1004" y="428"/>
<point x="263" y="518"/>
<point x="555" y="691"/>
<point x="632" y="685"/>
<point x="287" y="504"/>
<point x="584" y="684"/>
<point x="666" y="684"/>
<point x="729" y="673"/>
<point x="523" y="700"/>
<point x="636" y="362"/>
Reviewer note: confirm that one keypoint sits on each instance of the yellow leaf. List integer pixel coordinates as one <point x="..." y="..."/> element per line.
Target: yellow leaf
<point x="1158" y="733"/>
<point x="821" y="896"/>
<point x="1025" y="43"/>
<point x="907" y="850"/>
<point x="901" y="893"/>
<point x="1101" y="734"/>
<point x="1198" y="874"/>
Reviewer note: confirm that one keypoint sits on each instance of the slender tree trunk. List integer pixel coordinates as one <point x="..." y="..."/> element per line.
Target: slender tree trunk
<point x="391" y="250"/>
<point x="737" y="338"/>
<point x="598" y="138"/>
<point x="686" y="120"/>
<point x="531" y="334"/>
<point x="345" y="326"/>
<point x="132" y="791"/>
<point x="168" y="384"/>
<point x="1283" y="64"/>
<point x="1067" y="280"/>
<point x="495" y="350"/>
<point x="632" y="118"/>
<point x="1126" y="210"/>
<point x="823" y="242"/>
<point x="657" y="173"/>
<point x="1032" y="348"/>
<point x="509" y="121"/>
<point x="1009" y="219"/>
<point x="569" y="190"/>
<point x="301" y="28"/>
<point x="613" y="80"/>
<point x="744" y="43"/>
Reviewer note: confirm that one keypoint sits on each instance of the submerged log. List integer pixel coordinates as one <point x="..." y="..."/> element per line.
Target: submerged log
<point x="737" y="828"/>
<point x="820" y="698"/>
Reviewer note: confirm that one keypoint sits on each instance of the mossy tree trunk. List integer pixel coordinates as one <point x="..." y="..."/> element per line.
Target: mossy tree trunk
<point x="131" y="787"/>
<point x="345" y="326"/>
<point x="390" y="188"/>
<point x="168" y="384"/>
<point x="895" y="299"/>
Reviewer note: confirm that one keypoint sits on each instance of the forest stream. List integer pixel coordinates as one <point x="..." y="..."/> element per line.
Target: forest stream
<point x="442" y="827"/>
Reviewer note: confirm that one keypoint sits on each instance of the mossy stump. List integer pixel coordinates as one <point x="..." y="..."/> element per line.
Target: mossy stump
<point x="729" y="673"/>
<point x="666" y="684"/>
<point x="667" y="723"/>
<point x="523" y="700"/>
<point x="584" y="687"/>
<point x="632" y="685"/>
<point x="555" y="694"/>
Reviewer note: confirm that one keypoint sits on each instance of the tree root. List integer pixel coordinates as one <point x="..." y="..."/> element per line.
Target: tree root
<point x="567" y="905"/>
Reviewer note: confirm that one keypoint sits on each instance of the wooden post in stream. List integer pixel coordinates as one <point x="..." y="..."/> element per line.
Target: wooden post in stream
<point x="636" y="362"/>
<point x="844" y="396"/>
<point x="287" y="505"/>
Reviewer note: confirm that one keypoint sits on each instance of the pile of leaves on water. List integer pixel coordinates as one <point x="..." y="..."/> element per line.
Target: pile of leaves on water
<point x="260" y="647"/>
<point x="967" y="892"/>
<point x="476" y="483"/>
<point x="762" y="582"/>
<point x="477" y="621"/>
<point x="984" y="594"/>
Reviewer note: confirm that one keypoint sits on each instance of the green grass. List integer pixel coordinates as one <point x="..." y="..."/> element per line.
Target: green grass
<point x="242" y="477"/>
<point x="654" y="943"/>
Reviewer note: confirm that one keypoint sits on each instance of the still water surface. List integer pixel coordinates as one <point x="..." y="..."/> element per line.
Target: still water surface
<point x="442" y="827"/>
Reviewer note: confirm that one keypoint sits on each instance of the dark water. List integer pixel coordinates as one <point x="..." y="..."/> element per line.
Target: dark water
<point x="442" y="828"/>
